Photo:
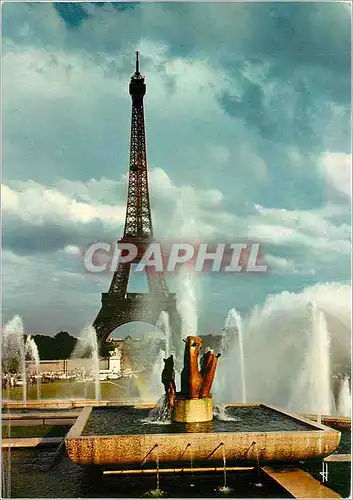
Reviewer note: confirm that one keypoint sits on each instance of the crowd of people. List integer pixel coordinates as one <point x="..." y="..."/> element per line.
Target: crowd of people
<point x="9" y="380"/>
<point x="12" y="380"/>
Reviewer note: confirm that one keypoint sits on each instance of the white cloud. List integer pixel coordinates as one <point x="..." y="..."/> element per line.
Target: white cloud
<point x="101" y="190"/>
<point x="337" y="170"/>
<point x="271" y="233"/>
<point x="183" y="211"/>
<point x="280" y="265"/>
<point x="14" y="259"/>
<point x="47" y="291"/>
<point x="59" y="125"/>
<point x="161" y="184"/>
<point x="10" y="201"/>
<point x="178" y="211"/>
<point x="74" y="207"/>
<point x="312" y="229"/>
<point x="36" y="204"/>
<point x="55" y="76"/>
<point x="72" y="250"/>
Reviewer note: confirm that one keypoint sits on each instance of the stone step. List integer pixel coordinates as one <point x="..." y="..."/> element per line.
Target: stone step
<point x="343" y="457"/>
<point x="37" y="415"/>
<point x="30" y="442"/>
<point x="298" y="483"/>
<point x="38" y="421"/>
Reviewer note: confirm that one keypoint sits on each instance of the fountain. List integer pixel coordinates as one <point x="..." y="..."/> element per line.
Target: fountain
<point x="258" y="484"/>
<point x="13" y="362"/>
<point x="224" y="489"/>
<point x="31" y="350"/>
<point x="88" y="341"/>
<point x="187" y="302"/>
<point x="319" y="364"/>
<point x="129" y="435"/>
<point x="14" y="358"/>
<point x="232" y="369"/>
<point x="164" y="325"/>
<point x="234" y="321"/>
<point x="344" y="398"/>
<point x="288" y="338"/>
<point x="156" y="373"/>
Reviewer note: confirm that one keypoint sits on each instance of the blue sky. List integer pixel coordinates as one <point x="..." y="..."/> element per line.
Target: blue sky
<point x="248" y="131"/>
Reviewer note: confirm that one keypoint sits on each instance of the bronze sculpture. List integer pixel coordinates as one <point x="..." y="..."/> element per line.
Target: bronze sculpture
<point x="190" y="376"/>
<point x="208" y="370"/>
<point x="195" y="383"/>
<point x="168" y="380"/>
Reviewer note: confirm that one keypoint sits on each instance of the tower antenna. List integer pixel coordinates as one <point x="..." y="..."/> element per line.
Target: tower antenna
<point x="137" y="62"/>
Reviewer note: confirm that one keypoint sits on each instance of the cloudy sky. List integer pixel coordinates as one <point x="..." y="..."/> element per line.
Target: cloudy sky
<point x="248" y="131"/>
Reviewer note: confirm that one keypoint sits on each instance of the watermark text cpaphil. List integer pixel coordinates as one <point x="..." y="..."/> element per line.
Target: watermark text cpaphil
<point x="171" y="256"/>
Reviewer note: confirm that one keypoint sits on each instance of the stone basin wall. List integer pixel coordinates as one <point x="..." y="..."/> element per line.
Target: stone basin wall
<point x="239" y="447"/>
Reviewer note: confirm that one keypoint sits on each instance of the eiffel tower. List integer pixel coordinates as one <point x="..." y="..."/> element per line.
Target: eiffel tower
<point x="118" y="306"/>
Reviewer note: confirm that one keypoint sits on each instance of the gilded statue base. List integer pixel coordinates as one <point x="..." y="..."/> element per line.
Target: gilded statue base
<point x="193" y="410"/>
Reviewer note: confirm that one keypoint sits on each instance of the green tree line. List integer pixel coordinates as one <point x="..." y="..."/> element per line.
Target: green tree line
<point x="62" y="345"/>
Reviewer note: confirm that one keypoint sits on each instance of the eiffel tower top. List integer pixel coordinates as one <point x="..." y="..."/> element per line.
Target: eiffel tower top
<point x="137" y="86"/>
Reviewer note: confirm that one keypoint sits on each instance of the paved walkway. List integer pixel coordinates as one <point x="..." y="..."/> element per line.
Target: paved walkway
<point x="339" y="457"/>
<point x="34" y="415"/>
<point x="71" y="404"/>
<point x="30" y="442"/>
<point x="331" y="421"/>
<point x="299" y="484"/>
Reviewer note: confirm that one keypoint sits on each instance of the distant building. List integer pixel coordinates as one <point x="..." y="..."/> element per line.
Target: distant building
<point x="65" y="366"/>
<point x="153" y="336"/>
<point x="114" y="362"/>
<point x="127" y="355"/>
<point x="118" y="343"/>
<point x="132" y="355"/>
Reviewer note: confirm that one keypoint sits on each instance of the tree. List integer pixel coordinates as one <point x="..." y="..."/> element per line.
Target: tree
<point x="64" y="345"/>
<point x="11" y="365"/>
<point x="60" y="346"/>
<point x="105" y="348"/>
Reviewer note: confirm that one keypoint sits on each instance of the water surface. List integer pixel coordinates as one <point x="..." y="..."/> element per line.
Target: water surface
<point x="131" y="420"/>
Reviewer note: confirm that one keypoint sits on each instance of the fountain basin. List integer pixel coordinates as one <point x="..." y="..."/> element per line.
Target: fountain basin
<point x="279" y="437"/>
<point x="193" y="410"/>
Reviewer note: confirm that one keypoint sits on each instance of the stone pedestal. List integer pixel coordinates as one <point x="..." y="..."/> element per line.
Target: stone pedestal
<point x="193" y="410"/>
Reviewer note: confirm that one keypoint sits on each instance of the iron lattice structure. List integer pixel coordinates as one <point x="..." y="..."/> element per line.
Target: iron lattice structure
<point x="119" y="306"/>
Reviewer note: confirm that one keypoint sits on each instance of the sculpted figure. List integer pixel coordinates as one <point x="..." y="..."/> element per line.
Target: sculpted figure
<point x="168" y="379"/>
<point x="190" y="376"/>
<point x="208" y="369"/>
